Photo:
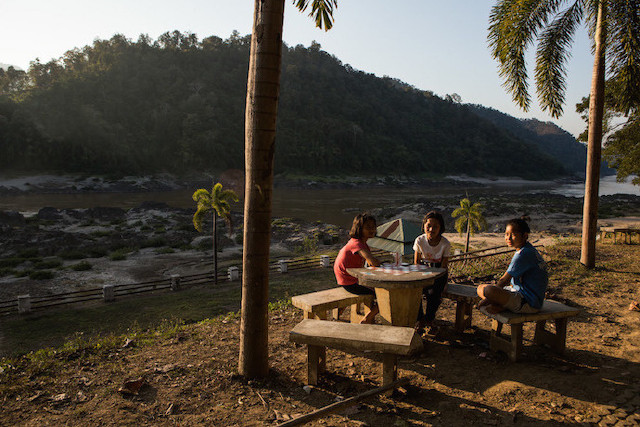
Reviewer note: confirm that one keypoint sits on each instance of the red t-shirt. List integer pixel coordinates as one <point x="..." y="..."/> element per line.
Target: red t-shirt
<point x="348" y="257"/>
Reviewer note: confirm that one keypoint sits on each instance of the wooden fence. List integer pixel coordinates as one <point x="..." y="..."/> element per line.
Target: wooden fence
<point x="476" y="263"/>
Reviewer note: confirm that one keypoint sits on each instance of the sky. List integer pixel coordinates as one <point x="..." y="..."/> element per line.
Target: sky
<point x="432" y="45"/>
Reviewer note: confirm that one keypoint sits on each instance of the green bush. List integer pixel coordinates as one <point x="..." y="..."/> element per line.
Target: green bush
<point x="120" y="254"/>
<point x="165" y="251"/>
<point x="11" y="262"/>
<point x="81" y="266"/>
<point x="29" y="253"/>
<point x="41" y="275"/>
<point x="45" y="264"/>
<point x="154" y="242"/>
<point x="7" y="271"/>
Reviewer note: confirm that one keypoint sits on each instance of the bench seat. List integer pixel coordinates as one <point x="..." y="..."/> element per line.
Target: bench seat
<point x="465" y="297"/>
<point x="391" y="341"/>
<point x="315" y="305"/>
<point x="551" y="310"/>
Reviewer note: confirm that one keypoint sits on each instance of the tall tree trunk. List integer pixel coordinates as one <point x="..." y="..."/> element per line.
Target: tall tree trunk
<point x="263" y="87"/>
<point x="466" y="246"/>
<point x="594" y="148"/>
<point x="215" y="249"/>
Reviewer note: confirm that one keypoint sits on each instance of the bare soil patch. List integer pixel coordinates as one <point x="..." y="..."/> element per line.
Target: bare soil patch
<point x="190" y="371"/>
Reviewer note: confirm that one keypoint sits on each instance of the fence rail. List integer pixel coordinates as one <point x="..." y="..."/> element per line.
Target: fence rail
<point x="483" y="261"/>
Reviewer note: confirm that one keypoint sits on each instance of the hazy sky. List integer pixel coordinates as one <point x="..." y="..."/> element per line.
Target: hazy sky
<point x="433" y="45"/>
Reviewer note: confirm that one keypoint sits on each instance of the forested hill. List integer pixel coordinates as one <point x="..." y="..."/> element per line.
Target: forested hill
<point x="177" y="104"/>
<point x="547" y="136"/>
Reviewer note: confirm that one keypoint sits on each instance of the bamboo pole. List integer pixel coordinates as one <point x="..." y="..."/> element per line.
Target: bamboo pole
<point x="343" y="404"/>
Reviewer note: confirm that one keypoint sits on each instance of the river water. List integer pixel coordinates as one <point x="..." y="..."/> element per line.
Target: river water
<point x="334" y="206"/>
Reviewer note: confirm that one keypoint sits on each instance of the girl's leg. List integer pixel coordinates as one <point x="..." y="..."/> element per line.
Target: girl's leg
<point x="493" y="297"/>
<point x="434" y="298"/>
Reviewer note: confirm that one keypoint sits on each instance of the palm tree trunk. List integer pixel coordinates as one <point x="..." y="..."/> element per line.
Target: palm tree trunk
<point x="215" y="250"/>
<point x="592" y="179"/>
<point x="466" y="246"/>
<point x="263" y="87"/>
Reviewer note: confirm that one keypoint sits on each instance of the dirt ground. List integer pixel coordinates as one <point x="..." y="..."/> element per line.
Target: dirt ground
<point x="190" y="372"/>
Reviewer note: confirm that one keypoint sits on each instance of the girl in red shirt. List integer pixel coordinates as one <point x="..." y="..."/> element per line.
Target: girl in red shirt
<point x="353" y="255"/>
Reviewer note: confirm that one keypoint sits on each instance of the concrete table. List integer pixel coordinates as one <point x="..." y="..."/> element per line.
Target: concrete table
<point x="398" y="289"/>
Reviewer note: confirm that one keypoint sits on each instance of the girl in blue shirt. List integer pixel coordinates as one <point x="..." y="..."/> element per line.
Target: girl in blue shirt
<point x="521" y="289"/>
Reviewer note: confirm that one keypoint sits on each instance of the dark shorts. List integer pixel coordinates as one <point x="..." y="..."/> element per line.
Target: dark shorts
<point x="359" y="289"/>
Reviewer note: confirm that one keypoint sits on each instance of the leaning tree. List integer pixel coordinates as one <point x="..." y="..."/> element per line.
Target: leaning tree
<point x="263" y="88"/>
<point x="614" y="26"/>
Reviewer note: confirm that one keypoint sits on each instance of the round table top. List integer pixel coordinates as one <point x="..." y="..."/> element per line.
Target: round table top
<point x="396" y="276"/>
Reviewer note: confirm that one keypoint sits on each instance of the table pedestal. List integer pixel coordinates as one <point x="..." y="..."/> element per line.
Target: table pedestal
<point x="399" y="306"/>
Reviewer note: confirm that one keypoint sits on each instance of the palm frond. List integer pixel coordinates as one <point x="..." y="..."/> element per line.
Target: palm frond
<point x="551" y="57"/>
<point x="321" y="11"/>
<point x="461" y="224"/>
<point x="513" y="26"/>
<point x="624" y="51"/>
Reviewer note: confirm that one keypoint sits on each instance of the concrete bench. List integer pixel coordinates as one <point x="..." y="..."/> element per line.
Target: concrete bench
<point x="465" y="297"/>
<point x="316" y="304"/>
<point x="391" y="341"/>
<point x="551" y="310"/>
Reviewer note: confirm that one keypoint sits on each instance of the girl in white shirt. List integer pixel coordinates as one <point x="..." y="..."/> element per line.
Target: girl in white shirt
<point x="432" y="249"/>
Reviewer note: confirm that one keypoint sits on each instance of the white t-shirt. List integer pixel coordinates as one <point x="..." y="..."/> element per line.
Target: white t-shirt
<point x="432" y="253"/>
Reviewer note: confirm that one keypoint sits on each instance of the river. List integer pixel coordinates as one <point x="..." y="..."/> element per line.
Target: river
<point x="334" y="206"/>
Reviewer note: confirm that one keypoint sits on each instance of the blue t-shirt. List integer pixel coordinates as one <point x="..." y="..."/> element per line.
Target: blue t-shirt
<point x="529" y="275"/>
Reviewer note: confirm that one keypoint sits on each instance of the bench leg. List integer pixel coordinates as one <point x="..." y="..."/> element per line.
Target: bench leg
<point x="359" y="312"/>
<point x="513" y="347"/>
<point x="556" y="341"/>
<point x="320" y="315"/>
<point x="389" y="370"/>
<point x="463" y="316"/>
<point x="316" y="363"/>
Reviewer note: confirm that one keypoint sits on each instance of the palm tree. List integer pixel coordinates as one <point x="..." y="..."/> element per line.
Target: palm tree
<point x="217" y="201"/>
<point x="469" y="218"/>
<point x="263" y="88"/>
<point x="614" y="26"/>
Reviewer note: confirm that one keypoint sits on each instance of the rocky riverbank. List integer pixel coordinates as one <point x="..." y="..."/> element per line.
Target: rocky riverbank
<point x="59" y="250"/>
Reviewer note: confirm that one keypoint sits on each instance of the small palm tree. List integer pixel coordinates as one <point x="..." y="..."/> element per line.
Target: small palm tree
<point x="217" y="201"/>
<point x="470" y="217"/>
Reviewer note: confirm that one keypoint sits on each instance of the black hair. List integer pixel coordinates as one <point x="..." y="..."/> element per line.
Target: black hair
<point x="358" y="224"/>
<point x="437" y="216"/>
<point x="519" y="225"/>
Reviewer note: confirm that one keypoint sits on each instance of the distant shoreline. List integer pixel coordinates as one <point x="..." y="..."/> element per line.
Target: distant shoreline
<point x="69" y="184"/>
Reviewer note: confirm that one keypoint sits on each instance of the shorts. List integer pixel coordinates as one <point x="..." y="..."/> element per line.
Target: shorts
<point x="517" y="303"/>
<point x="359" y="289"/>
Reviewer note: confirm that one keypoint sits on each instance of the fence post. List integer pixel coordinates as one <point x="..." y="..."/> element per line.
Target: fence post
<point x="24" y="304"/>
<point x="108" y="293"/>
<point x="175" y="282"/>
<point x="284" y="266"/>
<point x="324" y="261"/>
<point x="233" y="273"/>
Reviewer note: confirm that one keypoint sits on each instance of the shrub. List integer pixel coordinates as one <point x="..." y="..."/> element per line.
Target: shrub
<point x="41" y="275"/>
<point x="29" y="253"/>
<point x="45" y="264"/>
<point x="165" y="251"/>
<point x="119" y="254"/>
<point x="81" y="266"/>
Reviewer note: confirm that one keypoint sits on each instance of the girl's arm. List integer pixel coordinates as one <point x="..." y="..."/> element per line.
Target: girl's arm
<point x="417" y="256"/>
<point x="504" y="280"/>
<point x="444" y="262"/>
<point x="368" y="256"/>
